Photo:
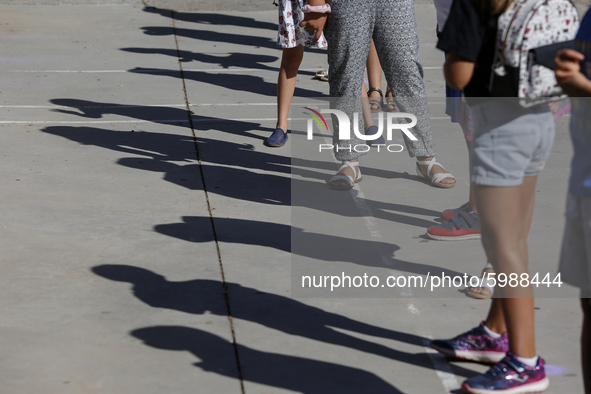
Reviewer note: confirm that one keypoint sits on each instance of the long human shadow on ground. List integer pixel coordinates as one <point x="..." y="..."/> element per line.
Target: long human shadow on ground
<point x="213" y="19"/>
<point x="175" y="116"/>
<point x="262" y="41"/>
<point x="174" y="156"/>
<point x="162" y="152"/>
<point x="299" y="374"/>
<point x="201" y="296"/>
<point x="232" y="59"/>
<point x="234" y="82"/>
<point x="290" y="239"/>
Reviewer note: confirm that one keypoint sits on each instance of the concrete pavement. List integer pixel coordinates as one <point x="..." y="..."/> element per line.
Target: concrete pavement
<point x="146" y="229"/>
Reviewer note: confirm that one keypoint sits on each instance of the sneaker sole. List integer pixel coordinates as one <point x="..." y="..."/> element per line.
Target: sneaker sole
<point x="537" y="387"/>
<point x="273" y="145"/>
<point x="456" y="238"/>
<point x="481" y="357"/>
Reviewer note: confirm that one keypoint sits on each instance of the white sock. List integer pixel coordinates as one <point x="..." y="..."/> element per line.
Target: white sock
<point x="530" y="362"/>
<point x="490" y="333"/>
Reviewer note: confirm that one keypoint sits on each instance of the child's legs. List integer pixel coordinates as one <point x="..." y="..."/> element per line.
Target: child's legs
<point x="505" y="216"/>
<point x="348" y="31"/>
<point x="510" y="148"/>
<point x="397" y="45"/>
<point x="290" y="63"/>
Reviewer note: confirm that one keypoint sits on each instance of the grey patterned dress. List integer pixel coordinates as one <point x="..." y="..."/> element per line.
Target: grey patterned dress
<point x="391" y="23"/>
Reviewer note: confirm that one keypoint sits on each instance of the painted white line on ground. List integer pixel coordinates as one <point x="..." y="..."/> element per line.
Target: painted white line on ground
<point x="442" y="367"/>
<point x="142" y="105"/>
<point x="92" y="106"/>
<point x="160" y="105"/>
<point x="89" y="121"/>
<point x="159" y="70"/>
<point x="440" y="364"/>
<point x="196" y="119"/>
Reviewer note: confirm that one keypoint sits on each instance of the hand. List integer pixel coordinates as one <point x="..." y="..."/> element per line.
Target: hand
<point x="567" y="65"/>
<point x="314" y="21"/>
<point x="569" y="75"/>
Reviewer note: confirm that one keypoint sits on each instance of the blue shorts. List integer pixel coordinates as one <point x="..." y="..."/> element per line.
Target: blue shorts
<point x="453" y="98"/>
<point x="510" y="142"/>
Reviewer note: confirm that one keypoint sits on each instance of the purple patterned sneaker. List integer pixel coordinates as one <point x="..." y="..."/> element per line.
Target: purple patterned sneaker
<point x="474" y="345"/>
<point x="509" y="376"/>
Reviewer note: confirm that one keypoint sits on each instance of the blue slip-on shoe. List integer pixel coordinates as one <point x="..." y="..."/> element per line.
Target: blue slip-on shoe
<point x="277" y="139"/>
<point x="373" y="130"/>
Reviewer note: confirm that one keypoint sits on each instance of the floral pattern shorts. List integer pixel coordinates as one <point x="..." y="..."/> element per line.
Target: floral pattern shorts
<point x="290" y="34"/>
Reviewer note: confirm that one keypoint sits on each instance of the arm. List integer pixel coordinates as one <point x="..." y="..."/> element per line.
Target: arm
<point x="314" y="20"/>
<point x="457" y="71"/>
<point x="569" y="75"/>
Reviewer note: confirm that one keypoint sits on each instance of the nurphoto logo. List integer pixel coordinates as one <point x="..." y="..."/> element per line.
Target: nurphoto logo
<point x="392" y="123"/>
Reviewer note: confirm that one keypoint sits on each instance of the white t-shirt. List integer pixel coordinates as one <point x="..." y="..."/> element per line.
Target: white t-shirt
<point x="442" y="7"/>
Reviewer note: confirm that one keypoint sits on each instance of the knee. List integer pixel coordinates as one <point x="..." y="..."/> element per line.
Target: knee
<point x="292" y="58"/>
<point x="505" y="256"/>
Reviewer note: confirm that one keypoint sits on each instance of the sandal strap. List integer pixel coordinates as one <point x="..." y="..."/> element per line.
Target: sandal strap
<point x="437" y="178"/>
<point x="351" y="165"/>
<point x="430" y="164"/>
<point x="463" y="221"/>
<point x="375" y="90"/>
<point x="347" y="178"/>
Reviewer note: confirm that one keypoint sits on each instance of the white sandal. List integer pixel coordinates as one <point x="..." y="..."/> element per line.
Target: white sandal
<point x="486" y="284"/>
<point x="436" y="178"/>
<point x="349" y="179"/>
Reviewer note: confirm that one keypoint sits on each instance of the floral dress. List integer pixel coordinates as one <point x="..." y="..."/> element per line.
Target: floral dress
<point x="290" y="34"/>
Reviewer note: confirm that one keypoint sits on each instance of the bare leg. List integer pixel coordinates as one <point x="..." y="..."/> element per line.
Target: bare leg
<point x="390" y="100"/>
<point x="495" y="320"/>
<point x="290" y="63"/>
<point x="367" y="118"/>
<point x="486" y="271"/>
<point x="374" y="73"/>
<point x="471" y="201"/>
<point x="506" y="214"/>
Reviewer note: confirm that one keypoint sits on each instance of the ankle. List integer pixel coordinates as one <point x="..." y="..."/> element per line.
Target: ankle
<point x="492" y="333"/>
<point x="429" y="158"/>
<point x="529" y="361"/>
<point x="496" y="329"/>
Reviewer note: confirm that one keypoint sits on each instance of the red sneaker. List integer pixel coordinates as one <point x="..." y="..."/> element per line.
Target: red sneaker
<point x="460" y="227"/>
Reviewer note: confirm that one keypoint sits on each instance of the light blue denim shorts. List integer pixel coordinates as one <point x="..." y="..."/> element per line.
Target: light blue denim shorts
<point x="510" y="142"/>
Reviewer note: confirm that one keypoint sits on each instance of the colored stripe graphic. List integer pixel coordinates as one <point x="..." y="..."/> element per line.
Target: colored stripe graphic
<point x="321" y="117"/>
<point x="315" y="118"/>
